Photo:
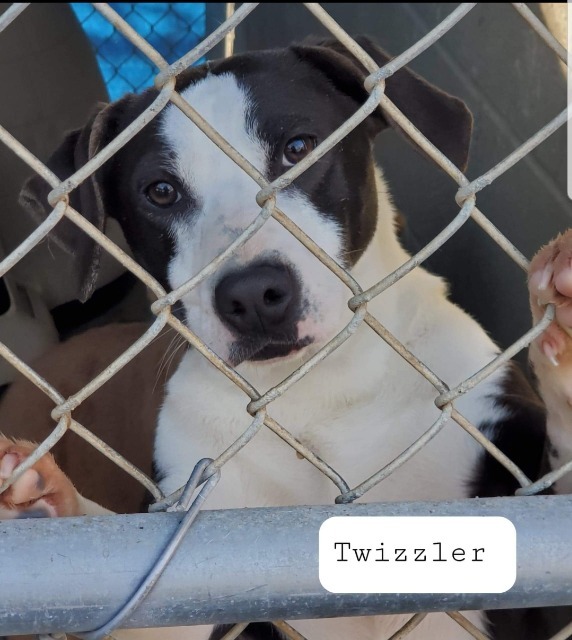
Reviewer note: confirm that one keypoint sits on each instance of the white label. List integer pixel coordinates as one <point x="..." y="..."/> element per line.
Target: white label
<point x="417" y="554"/>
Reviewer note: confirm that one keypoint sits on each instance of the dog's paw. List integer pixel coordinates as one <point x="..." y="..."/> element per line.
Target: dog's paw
<point x="43" y="491"/>
<point x="550" y="280"/>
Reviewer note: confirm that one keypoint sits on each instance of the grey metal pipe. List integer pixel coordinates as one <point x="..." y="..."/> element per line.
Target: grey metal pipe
<point x="73" y="574"/>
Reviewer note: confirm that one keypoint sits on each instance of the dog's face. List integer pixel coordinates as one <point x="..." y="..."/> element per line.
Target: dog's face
<point x="272" y="297"/>
<point x="181" y="201"/>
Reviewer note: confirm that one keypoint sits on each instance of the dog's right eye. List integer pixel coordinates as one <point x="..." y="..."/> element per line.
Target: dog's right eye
<point x="298" y="148"/>
<point x="162" y="194"/>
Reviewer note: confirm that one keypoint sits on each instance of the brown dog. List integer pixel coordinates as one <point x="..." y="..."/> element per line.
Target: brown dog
<point x="123" y="413"/>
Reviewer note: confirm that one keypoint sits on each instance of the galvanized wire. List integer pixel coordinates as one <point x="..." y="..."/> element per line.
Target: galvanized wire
<point x="422" y="44"/>
<point x="116" y="458"/>
<point x="259" y="404"/>
<point x="469" y="627"/>
<point x="191" y="512"/>
<point x="94" y="163"/>
<point x="401" y="459"/>
<point x="427" y="251"/>
<point x="492" y="174"/>
<point x="207" y="44"/>
<point x="563" y="634"/>
<point x="233" y="633"/>
<point x="542" y="31"/>
<point x="12" y="13"/>
<point x="501" y="359"/>
<point x="411" y="624"/>
<point x="288" y="631"/>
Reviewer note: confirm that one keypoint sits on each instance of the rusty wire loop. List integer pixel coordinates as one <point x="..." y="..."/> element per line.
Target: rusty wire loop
<point x="258" y="403"/>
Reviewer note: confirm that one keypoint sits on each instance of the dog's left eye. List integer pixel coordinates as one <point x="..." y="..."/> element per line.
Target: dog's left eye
<point x="298" y="148"/>
<point x="162" y="194"/>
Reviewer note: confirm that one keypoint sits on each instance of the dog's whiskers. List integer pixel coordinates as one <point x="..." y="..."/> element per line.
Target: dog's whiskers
<point x="174" y="346"/>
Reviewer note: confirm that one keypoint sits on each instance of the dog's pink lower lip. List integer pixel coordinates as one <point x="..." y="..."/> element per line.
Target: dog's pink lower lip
<point x="269" y="351"/>
<point x="276" y="351"/>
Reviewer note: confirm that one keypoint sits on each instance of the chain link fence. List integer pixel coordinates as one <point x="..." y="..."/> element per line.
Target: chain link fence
<point x="259" y="404"/>
<point x="171" y="28"/>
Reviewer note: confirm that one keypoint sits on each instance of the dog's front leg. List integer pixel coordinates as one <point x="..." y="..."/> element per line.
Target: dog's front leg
<point x="43" y="491"/>
<point x="550" y="281"/>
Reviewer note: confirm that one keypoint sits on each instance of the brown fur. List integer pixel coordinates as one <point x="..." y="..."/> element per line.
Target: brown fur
<point x="123" y="413"/>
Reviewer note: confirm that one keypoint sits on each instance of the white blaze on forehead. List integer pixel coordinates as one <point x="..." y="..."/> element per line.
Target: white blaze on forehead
<point x="199" y="162"/>
<point x="225" y="204"/>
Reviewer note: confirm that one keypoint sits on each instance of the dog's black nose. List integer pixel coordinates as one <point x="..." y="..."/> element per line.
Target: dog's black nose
<point x="259" y="300"/>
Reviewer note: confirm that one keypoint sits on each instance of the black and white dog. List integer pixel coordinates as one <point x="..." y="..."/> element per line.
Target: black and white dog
<point x="180" y="201"/>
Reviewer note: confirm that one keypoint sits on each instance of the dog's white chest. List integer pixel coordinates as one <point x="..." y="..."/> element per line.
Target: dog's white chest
<point x="355" y="433"/>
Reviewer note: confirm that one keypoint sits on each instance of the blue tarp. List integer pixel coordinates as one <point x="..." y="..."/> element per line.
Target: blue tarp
<point x="172" y="28"/>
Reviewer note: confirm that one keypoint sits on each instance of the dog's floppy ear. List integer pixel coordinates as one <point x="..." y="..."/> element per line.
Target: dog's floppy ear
<point x="76" y="149"/>
<point x="443" y="119"/>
